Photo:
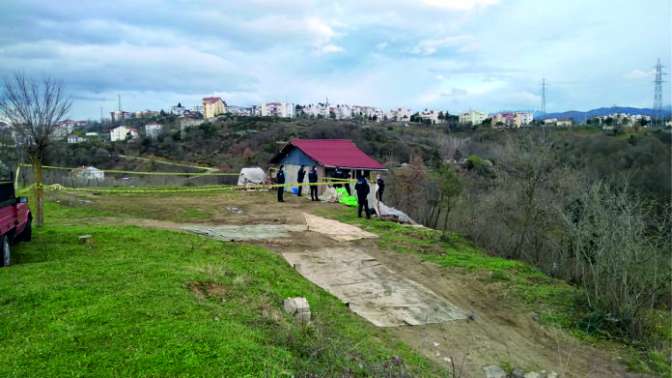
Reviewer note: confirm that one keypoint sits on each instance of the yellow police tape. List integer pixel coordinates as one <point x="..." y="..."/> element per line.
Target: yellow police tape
<point x="116" y="171"/>
<point x="202" y="189"/>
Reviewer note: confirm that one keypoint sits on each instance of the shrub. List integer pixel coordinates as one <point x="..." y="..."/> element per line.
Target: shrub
<point x="623" y="263"/>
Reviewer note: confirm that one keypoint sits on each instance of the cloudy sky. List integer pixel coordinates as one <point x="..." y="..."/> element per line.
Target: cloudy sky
<point x="451" y="55"/>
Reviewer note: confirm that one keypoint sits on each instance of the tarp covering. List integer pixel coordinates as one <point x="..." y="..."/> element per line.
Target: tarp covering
<point x="346" y="199"/>
<point x="386" y="212"/>
<point x="335" y="229"/>
<point x="245" y="232"/>
<point x="254" y="175"/>
<point x="329" y="195"/>
<point x="373" y="291"/>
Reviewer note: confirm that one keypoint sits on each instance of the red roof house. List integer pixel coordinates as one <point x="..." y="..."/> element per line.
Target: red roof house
<point x="327" y="153"/>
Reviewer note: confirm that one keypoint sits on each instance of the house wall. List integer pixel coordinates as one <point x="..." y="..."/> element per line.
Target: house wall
<point x="293" y="161"/>
<point x="211" y="110"/>
<point x="297" y="157"/>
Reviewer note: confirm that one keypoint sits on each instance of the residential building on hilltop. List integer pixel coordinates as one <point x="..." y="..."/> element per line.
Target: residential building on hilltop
<point x="472" y="118"/>
<point x="74" y="139"/>
<point x="316" y="110"/>
<point x="120" y="115"/>
<point x="558" y="122"/>
<point x="241" y="111"/>
<point x="146" y="114"/>
<point x="63" y="129"/>
<point x="178" y="109"/>
<point x="121" y="133"/>
<point x="213" y="106"/>
<point x="152" y="130"/>
<point x="368" y="112"/>
<point x="341" y="111"/>
<point x="512" y="119"/>
<point x="399" y="115"/>
<point x="277" y="109"/>
<point x="623" y="119"/>
<point x="429" y="116"/>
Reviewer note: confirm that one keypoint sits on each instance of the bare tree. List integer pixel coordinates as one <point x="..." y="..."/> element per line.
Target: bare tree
<point x="34" y="108"/>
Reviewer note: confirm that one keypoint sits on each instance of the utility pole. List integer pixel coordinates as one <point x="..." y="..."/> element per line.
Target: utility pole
<point x="658" y="93"/>
<point x="543" y="95"/>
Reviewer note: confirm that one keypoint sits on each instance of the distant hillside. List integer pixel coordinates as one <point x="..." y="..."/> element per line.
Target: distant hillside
<point x="579" y="116"/>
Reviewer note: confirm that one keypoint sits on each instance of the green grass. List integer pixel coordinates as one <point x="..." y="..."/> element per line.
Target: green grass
<point x="552" y="298"/>
<point x="556" y="302"/>
<point x="138" y="302"/>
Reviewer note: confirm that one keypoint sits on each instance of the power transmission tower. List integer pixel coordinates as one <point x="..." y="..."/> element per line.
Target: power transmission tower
<point x="119" y="99"/>
<point x="658" y="92"/>
<point x="543" y="95"/>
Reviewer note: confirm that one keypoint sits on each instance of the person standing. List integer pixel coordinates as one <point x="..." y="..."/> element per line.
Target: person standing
<point x="280" y="181"/>
<point x="312" y="180"/>
<point x="300" y="175"/>
<point x="381" y="188"/>
<point x="347" y="176"/>
<point x="362" y="189"/>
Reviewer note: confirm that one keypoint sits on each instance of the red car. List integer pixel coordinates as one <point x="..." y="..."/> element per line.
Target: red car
<point x="15" y="221"/>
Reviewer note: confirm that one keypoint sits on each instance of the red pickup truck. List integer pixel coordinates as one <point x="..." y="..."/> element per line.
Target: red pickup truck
<point x="15" y="221"/>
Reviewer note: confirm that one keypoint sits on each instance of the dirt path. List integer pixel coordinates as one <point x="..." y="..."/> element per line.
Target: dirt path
<point x="496" y="333"/>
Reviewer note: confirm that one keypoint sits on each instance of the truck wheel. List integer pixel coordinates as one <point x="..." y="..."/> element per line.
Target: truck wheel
<point x="27" y="234"/>
<point x="5" y="253"/>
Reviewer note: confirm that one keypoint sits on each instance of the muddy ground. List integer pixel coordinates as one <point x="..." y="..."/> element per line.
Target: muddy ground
<point x="499" y="332"/>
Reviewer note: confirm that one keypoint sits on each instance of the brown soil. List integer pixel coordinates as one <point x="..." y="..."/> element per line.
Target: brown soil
<point x="207" y="289"/>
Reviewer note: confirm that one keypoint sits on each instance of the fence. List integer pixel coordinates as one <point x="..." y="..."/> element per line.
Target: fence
<point x="118" y="181"/>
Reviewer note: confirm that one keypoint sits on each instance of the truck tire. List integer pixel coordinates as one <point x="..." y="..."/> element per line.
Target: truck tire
<point x="27" y="234"/>
<point x="5" y="253"/>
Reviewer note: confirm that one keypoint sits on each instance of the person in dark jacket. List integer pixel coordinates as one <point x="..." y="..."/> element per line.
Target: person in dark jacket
<point x="346" y="176"/>
<point x="381" y="188"/>
<point x="362" y="189"/>
<point x="312" y="179"/>
<point x="280" y="181"/>
<point x="300" y="175"/>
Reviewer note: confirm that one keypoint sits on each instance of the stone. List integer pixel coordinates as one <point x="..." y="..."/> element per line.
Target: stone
<point x="298" y="307"/>
<point x="552" y="374"/>
<point x="85" y="239"/>
<point x="518" y="373"/>
<point x="533" y="374"/>
<point x="494" y="371"/>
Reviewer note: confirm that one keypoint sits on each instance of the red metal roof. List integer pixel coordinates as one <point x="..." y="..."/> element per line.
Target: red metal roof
<point x="211" y="100"/>
<point x="334" y="153"/>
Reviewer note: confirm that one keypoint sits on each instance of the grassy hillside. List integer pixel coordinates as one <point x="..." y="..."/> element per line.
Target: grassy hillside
<point x="554" y="302"/>
<point x="139" y="302"/>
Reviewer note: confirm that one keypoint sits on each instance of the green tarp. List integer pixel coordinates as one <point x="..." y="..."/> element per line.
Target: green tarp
<point x="345" y="198"/>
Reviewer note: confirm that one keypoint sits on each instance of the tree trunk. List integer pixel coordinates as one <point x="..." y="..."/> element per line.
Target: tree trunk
<point x="38" y="190"/>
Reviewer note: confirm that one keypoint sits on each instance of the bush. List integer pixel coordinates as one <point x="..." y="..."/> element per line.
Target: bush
<point x="622" y="262"/>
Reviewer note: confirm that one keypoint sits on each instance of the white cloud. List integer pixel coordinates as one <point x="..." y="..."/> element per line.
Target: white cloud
<point x="329" y="49"/>
<point x="462" y="43"/>
<point x="459" y="5"/>
<point x="638" y="74"/>
<point x="445" y="54"/>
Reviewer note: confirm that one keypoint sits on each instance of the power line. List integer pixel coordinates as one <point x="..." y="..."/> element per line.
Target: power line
<point x="658" y="91"/>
